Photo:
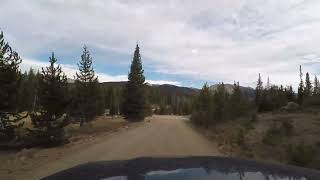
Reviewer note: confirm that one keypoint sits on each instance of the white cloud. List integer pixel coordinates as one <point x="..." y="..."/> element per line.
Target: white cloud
<point x="208" y="40"/>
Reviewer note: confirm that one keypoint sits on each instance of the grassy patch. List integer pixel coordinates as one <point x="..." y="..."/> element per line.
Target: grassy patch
<point x="275" y="137"/>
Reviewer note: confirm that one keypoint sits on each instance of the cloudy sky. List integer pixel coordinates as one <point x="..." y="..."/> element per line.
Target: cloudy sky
<point x="183" y="42"/>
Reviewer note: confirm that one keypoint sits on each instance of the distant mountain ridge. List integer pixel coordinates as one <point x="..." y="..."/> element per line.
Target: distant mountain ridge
<point x="164" y="88"/>
<point x="179" y="90"/>
<point x="168" y="88"/>
<point x="229" y="88"/>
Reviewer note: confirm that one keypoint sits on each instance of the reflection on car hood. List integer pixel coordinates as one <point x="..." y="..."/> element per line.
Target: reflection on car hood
<point x="187" y="168"/>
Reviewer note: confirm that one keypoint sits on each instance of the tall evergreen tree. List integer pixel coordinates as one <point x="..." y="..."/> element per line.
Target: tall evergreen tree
<point x="202" y="111"/>
<point x="210" y="109"/>
<point x="87" y="100"/>
<point x="113" y="102"/>
<point x="238" y="104"/>
<point x="10" y="77"/>
<point x="204" y="99"/>
<point x="268" y="84"/>
<point x="259" y="93"/>
<point x="86" y="72"/>
<point x="308" y="86"/>
<point x="27" y="90"/>
<point x="50" y="117"/>
<point x="135" y="101"/>
<point x="316" y="87"/>
<point x="300" y="89"/>
<point x="290" y="94"/>
<point x="220" y="99"/>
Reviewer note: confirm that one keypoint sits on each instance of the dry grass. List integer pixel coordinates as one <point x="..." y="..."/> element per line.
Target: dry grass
<point x="273" y="137"/>
<point x="99" y="125"/>
<point x="15" y="162"/>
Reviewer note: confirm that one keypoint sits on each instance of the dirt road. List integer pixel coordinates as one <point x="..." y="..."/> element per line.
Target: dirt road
<point x="162" y="136"/>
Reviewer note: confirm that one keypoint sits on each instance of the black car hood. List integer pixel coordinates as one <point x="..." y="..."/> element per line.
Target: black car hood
<point x="202" y="168"/>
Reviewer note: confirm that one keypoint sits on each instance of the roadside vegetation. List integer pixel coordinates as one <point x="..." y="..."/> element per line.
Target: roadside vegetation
<point x="276" y="125"/>
<point x="38" y="106"/>
<point x="41" y="108"/>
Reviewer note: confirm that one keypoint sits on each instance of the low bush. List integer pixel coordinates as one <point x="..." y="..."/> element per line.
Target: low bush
<point x="287" y="127"/>
<point x="240" y="138"/>
<point x="291" y="107"/>
<point x="247" y="152"/>
<point x="200" y="118"/>
<point x="248" y="125"/>
<point x="254" y="117"/>
<point x="284" y="127"/>
<point x="313" y="101"/>
<point x="47" y="138"/>
<point x="301" y="154"/>
<point x="271" y="136"/>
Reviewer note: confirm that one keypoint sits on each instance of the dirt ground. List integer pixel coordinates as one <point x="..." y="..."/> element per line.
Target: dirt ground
<point x="157" y="136"/>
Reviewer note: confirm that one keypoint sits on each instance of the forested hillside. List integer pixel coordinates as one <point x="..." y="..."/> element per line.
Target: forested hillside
<point x="277" y="124"/>
<point x="166" y="96"/>
<point x="48" y="102"/>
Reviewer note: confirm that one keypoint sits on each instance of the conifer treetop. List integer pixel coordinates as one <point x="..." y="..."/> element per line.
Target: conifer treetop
<point x="136" y="70"/>
<point x="53" y="73"/>
<point x="85" y="66"/>
<point x="8" y="57"/>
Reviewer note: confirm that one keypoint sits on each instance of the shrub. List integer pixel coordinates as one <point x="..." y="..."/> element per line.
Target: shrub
<point x="201" y="118"/>
<point x="300" y="155"/>
<point x="247" y="152"/>
<point x="291" y="107"/>
<point x="47" y="138"/>
<point x="271" y="135"/>
<point x="240" y="137"/>
<point x="254" y="117"/>
<point x="313" y="101"/>
<point x="248" y="125"/>
<point x="276" y="130"/>
<point x="287" y="127"/>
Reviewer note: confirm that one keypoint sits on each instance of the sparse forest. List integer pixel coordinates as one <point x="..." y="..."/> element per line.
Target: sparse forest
<point x="276" y="124"/>
<point x="160" y="90"/>
<point x="211" y="108"/>
<point x="10" y="78"/>
<point x="51" y="101"/>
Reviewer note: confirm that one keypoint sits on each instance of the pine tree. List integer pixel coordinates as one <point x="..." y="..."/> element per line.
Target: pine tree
<point x="113" y="102"/>
<point x="259" y="93"/>
<point x="220" y="99"/>
<point x="268" y="83"/>
<point x="300" y="89"/>
<point x="10" y="76"/>
<point x="22" y="102"/>
<point x="204" y="98"/>
<point x="88" y="96"/>
<point x="135" y="100"/>
<point x="202" y="111"/>
<point x="27" y="90"/>
<point x="308" y="86"/>
<point x="238" y="104"/>
<point x="281" y="97"/>
<point x="290" y="94"/>
<point x="51" y="117"/>
<point x="186" y="105"/>
<point x="316" y="87"/>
